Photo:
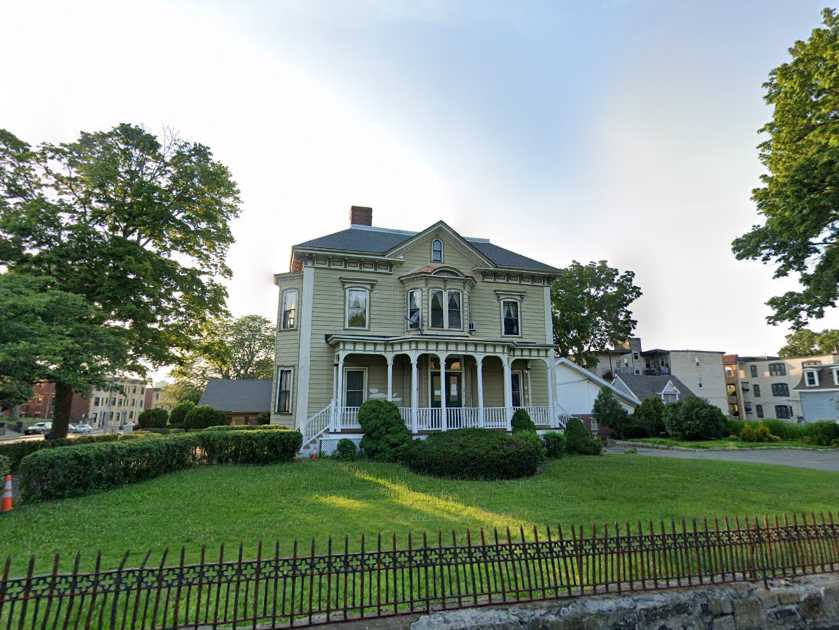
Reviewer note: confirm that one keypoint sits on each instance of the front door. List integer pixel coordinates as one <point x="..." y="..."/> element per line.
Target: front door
<point x="454" y="389"/>
<point x="517" y="382"/>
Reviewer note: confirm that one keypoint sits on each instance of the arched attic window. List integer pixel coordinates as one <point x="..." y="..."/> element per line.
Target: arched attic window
<point x="437" y="250"/>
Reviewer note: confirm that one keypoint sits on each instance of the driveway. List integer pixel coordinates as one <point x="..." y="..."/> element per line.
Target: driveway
<point x="798" y="458"/>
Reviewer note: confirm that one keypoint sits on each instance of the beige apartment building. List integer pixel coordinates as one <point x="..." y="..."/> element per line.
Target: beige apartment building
<point x="117" y="405"/>
<point x="766" y="385"/>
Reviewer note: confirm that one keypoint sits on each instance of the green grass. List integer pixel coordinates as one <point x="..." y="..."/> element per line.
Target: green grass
<point x="229" y="504"/>
<point x="726" y="443"/>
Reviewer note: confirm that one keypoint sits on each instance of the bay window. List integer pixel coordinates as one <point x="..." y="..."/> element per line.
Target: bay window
<point x="414" y="308"/>
<point x="436" y="308"/>
<point x="446" y="308"/>
<point x="454" y="310"/>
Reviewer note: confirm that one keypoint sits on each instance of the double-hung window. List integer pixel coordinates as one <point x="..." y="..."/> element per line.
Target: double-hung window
<point x="414" y="309"/>
<point x="357" y="307"/>
<point x="777" y="369"/>
<point x="446" y="308"/>
<point x="437" y="250"/>
<point x="756" y="390"/>
<point x="288" y="320"/>
<point x="780" y="389"/>
<point x="753" y="371"/>
<point x="811" y="378"/>
<point x="783" y="412"/>
<point x="510" y="317"/>
<point x="285" y="378"/>
<point x="759" y="410"/>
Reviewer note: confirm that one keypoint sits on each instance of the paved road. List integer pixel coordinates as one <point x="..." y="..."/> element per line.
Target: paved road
<point x="799" y="458"/>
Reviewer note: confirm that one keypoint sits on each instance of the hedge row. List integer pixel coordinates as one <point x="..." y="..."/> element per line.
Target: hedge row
<point x="64" y="472"/>
<point x="16" y="451"/>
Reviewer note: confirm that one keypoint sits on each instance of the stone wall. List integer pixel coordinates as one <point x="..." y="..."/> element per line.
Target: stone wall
<point x="806" y="602"/>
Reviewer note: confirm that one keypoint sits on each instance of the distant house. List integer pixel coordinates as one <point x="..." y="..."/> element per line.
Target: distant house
<point x="243" y="399"/>
<point x="819" y="392"/>
<point x="577" y="389"/>
<point x="666" y="387"/>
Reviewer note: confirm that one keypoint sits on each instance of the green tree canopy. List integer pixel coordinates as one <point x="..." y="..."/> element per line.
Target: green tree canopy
<point x="807" y="343"/>
<point x="799" y="198"/>
<point x="230" y="349"/>
<point x="591" y="309"/>
<point x="50" y="335"/>
<point x="137" y="226"/>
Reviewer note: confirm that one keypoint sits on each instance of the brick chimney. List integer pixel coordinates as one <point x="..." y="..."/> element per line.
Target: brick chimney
<point x="361" y="215"/>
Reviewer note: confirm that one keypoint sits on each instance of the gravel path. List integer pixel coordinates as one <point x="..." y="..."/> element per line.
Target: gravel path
<point x="798" y="458"/>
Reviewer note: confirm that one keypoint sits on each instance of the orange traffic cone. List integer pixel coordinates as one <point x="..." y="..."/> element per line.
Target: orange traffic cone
<point x="7" y="495"/>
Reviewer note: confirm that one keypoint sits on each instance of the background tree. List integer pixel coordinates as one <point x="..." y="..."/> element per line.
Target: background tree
<point x="179" y="392"/>
<point x="50" y="335"/>
<point x="138" y="227"/>
<point x="231" y="349"/>
<point x="608" y="411"/>
<point x="806" y="343"/>
<point x="799" y="198"/>
<point x="591" y="310"/>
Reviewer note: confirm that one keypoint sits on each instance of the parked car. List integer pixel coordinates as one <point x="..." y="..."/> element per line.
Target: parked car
<point x="39" y="428"/>
<point x="82" y="428"/>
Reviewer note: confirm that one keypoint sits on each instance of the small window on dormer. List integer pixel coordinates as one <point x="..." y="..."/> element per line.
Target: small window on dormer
<point x="437" y="250"/>
<point x="812" y="378"/>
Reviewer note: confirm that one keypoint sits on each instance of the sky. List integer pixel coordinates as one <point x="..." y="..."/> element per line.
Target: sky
<point x="610" y="130"/>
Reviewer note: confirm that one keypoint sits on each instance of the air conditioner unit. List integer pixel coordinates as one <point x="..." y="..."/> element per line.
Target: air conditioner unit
<point x="473" y="327"/>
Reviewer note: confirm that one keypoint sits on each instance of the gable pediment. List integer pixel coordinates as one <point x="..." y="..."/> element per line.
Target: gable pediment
<point x="458" y="253"/>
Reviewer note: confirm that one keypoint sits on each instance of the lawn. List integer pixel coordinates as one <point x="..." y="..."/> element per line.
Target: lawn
<point x="229" y="504"/>
<point x="726" y="443"/>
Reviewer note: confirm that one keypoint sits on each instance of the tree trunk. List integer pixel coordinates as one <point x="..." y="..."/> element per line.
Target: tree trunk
<point x="63" y="405"/>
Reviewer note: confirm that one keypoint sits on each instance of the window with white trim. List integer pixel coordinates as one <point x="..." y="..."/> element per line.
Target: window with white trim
<point x="510" y="318"/>
<point x="288" y="321"/>
<point x="811" y="378"/>
<point x="285" y="379"/>
<point x="437" y="250"/>
<point x="357" y="307"/>
<point x="446" y="308"/>
<point x="753" y="371"/>
<point x="414" y="308"/>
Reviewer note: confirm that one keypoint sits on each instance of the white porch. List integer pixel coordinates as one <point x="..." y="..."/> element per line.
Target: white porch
<point x="424" y="419"/>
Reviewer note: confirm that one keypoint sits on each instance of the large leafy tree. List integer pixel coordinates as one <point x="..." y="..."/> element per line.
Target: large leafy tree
<point x="591" y="309"/>
<point x="50" y="335"/>
<point x="136" y="225"/>
<point x="807" y="343"/>
<point x="231" y="349"/>
<point x="799" y="198"/>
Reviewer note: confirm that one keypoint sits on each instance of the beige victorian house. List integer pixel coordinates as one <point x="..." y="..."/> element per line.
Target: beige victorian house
<point x="456" y="331"/>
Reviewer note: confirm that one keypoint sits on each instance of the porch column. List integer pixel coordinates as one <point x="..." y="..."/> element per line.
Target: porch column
<point x="339" y="394"/>
<point x="444" y="420"/>
<point x="389" y="359"/>
<point x="480" y="362"/>
<point x="414" y="391"/>
<point x="551" y="392"/>
<point x="508" y="391"/>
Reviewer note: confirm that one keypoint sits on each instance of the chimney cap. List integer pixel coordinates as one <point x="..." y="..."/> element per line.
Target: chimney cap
<point x="361" y="215"/>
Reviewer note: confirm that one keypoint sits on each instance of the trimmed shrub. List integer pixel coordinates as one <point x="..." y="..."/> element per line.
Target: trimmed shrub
<point x="785" y="430"/>
<point x="647" y="420"/>
<point x="385" y="435"/>
<point x="153" y="418"/>
<point x="579" y="440"/>
<point x="609" y="413"/>
<point x="734" y="427"/>
<point x="203" y="416"/>
<point x="554" y="444"/>
<point x="249" y="447"/>
<point x="476" y="454"/>
<point x="16" y="451"/>
<point x="822" y="433"/>
<point x="346" y="450"/>
<point x="177" y="417"/>
<point x="694" y="419"/>
<point x="247" y="427"/>
<point x="5" y="465"/>
<point x="263" y="418"/>
<point x="55" y="473"/>
<point x="521" y="421"/>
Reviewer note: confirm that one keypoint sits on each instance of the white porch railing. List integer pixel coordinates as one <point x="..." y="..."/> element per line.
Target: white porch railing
<point x="541" y="416"/>
<point x="316" y="425"/>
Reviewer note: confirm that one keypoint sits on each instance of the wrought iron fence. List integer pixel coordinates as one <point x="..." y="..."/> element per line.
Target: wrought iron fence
<point x="304" y="586"/>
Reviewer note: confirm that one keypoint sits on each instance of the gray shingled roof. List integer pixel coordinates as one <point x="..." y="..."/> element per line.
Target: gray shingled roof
<point x="237" y="396"/>
<point x="366" y="241"/>
<point x="825" y="380"/>
<point x="644" y="385"/>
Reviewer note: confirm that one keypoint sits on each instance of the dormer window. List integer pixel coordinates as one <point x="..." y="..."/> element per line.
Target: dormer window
<point x="811" y="378"/>
<point x="437" y="250"/>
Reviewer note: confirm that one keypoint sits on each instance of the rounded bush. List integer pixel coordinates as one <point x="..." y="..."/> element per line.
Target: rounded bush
<point x="823" y="433"/>
<point x="153" y="418"/>
<point x="579" y="440"/>
<point x="385" y="434"/>
<point x="521" y="421"/>
<point x="647" y="420"/>
<point x="695" y="419"/>
<point x="346" y="450"/>
<point x="554" y="444"/>
<point x="177" y="416"/>
<point x="203" y="416"/>
<point x="476" y="454"/>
